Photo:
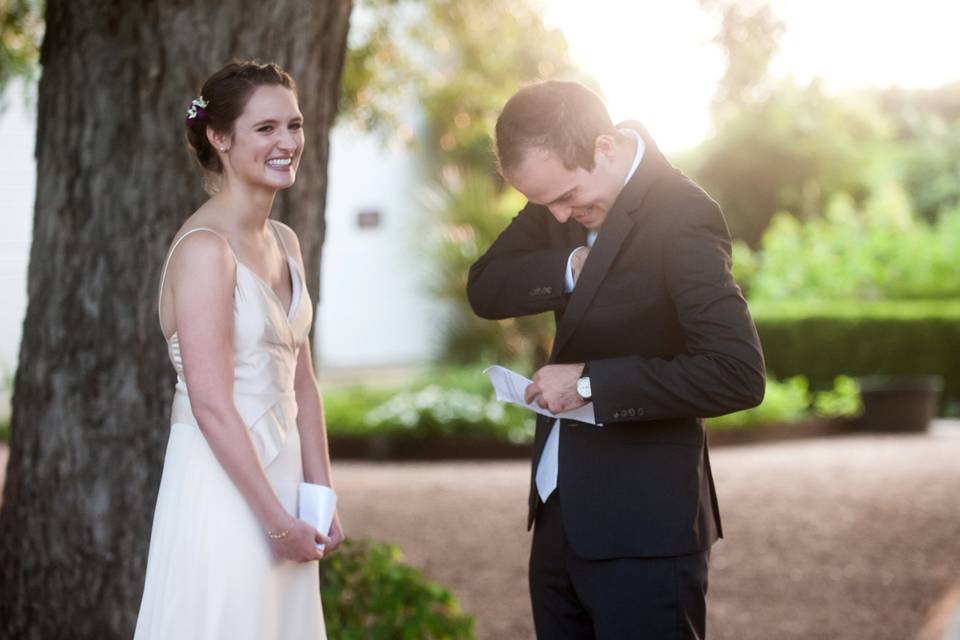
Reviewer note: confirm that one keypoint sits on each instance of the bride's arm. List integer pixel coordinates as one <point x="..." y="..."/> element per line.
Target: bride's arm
<point x="203" y="308"/>
<point x="312" y="427"/>
<point x="311" y="424"/>
<point x="310" y="421"/>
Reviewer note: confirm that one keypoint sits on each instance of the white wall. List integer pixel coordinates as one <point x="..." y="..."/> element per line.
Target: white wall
<point x="17" y="187"/>
<point x="375" y="308"/>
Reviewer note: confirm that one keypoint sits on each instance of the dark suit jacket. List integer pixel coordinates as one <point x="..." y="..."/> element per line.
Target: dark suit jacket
<point x="669" y="340"/>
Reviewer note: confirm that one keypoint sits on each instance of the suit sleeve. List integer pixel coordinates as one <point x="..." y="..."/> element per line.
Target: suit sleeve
<point x="520" y="274"/>
<point x="722" y="368"/>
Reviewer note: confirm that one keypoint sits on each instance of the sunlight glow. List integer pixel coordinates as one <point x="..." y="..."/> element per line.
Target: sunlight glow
<point x="655" y="60"/>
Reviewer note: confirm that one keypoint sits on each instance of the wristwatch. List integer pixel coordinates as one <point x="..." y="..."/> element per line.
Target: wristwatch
<point x="583" y="384"/>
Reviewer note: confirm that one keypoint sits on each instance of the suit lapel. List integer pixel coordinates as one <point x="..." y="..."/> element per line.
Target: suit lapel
<point x="612" y="234"/>
<point x="576" y="234"/>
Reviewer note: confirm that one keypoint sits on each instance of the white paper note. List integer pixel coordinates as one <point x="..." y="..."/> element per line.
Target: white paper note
<point x="317" y="505"/>
<point x="509" y="387"/>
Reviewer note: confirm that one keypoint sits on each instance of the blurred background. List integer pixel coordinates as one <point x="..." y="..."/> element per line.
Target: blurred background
<point x="830" y="135"/>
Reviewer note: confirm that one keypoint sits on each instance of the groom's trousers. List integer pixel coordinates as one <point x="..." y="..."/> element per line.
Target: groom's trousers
<point x="616" y="599"/>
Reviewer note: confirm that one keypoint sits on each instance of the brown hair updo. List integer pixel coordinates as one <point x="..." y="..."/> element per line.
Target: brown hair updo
<point x="226" y="93"/>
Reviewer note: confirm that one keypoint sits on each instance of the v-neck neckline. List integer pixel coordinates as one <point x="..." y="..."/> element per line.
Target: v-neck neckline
<point x="294" y="299"/>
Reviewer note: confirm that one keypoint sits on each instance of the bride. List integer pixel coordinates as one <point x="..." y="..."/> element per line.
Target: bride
<point x="227" y="559"/>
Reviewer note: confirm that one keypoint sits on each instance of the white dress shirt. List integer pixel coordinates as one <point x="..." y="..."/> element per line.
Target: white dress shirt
<point x="549" y="465"/>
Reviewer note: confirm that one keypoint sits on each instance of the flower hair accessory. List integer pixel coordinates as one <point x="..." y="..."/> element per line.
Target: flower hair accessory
<point x="197" y="109"/>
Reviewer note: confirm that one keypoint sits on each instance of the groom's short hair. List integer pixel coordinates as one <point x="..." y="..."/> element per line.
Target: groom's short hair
<point x="562" y="117"/>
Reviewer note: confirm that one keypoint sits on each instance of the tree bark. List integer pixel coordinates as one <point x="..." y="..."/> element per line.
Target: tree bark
<point x="114" y="182"/>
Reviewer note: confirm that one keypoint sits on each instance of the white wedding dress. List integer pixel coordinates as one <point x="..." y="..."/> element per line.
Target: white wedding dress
<point x="211" y="574"/>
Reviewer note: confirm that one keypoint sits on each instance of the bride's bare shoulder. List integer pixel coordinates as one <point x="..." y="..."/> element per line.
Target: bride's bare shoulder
<point x="200" y="244"/>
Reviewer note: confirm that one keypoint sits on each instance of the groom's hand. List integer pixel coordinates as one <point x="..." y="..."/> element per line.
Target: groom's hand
<point x="554" y="387"/>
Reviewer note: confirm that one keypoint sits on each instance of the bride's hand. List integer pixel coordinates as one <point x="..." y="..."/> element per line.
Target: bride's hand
<point x="299" y="544"/>
<point x="336" y="536"/>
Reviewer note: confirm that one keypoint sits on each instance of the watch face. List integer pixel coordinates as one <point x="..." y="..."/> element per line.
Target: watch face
<point x="583" y="387"/>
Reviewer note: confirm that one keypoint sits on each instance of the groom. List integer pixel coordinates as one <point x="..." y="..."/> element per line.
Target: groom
<point x="633" y="259"/>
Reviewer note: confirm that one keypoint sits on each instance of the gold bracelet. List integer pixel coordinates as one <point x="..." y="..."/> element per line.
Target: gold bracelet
<point x="280" y="535"/>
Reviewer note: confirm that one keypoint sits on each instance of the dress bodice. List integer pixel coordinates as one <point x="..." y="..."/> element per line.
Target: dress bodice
<point x="266" y="342"/>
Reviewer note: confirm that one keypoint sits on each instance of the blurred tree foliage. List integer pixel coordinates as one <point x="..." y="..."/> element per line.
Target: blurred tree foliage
<point x="436" y="73"/>
<point x="798" y="147"/>
<point x="473" y="212"/>
<point x="791" y="151"/>
<point x="21" y="30"/>
<point x="880" y="250"/>
<point x="484" y="53"/>
<point x="748" y="35"/>
<point x="926" y="126"/>
<point x="909" y="106"/>
<point x="779" y="145"/>
<point x="376" y="71"/>
<point x="444" y="68"/>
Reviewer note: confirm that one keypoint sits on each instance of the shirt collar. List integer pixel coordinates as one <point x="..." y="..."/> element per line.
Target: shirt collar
<point x="641" y="147"/>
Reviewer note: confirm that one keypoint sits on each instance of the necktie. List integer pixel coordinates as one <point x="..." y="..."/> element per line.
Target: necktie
<point x="549" y="465"/>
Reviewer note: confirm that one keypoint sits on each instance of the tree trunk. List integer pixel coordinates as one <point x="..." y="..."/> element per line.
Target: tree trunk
<point x="114" y="182"/>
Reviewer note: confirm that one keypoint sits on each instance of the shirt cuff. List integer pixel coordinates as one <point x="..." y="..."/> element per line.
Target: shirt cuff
<point x="568" y="276"/>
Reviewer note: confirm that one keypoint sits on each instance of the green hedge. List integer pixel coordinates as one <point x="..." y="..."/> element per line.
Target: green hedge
<point x="448" y="401"/>
<point x="458" y="403"/>
<point x="822" y="340"/>
<point x="792" y="401"/>
<point x="370" y="594"/>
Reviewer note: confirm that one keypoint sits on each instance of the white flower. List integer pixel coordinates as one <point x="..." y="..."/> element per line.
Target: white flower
<point x="197" y="102"/>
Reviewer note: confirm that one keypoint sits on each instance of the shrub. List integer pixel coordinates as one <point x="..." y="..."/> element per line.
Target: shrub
<point x="369" y="594"/>
<point x="436" y="411"/>
<point x="878" y="252"/>
<point x="458" y="402"/>
<point x="443" y="402"/>
<point x="822" y="340"/>
<point x="345" y="408"/>
<point x="791" y="401"/>
<point x="843" y="400"/>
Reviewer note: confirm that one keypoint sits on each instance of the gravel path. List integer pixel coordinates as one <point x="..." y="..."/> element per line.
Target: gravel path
<point x="854" y="538"/>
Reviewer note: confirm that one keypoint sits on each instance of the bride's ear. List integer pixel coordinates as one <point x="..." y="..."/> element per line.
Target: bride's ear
<point x="219" y="141"/>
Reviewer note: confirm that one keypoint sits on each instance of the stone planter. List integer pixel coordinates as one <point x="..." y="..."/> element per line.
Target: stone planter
<point x="810" y="428"/>
<point x="899" y="403"/>
<point x="405" y="448"/>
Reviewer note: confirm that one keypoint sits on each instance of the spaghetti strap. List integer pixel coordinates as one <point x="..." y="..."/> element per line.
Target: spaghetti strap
<point x="283" y="245"/>
<point x="166" y="263"/>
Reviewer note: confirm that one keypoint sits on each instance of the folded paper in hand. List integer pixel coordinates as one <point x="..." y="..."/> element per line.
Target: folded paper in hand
<point x="317" y="505"/>
<point x="509" y="387"/>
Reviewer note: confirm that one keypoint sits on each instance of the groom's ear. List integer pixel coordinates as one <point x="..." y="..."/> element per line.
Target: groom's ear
<point x="604" y="147"/>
